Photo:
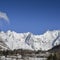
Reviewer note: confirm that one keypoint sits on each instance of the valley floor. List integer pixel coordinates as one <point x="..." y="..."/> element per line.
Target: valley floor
<point x="19" y="58"/>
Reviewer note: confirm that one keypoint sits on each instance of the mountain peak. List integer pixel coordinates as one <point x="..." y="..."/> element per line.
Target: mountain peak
<point x="13" y="40"/>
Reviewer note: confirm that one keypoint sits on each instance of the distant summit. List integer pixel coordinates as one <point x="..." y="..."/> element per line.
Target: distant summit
<point x="12" y="40"/>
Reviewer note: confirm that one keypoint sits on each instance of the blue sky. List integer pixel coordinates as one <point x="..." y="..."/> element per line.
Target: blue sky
<point x="36" y="16"/>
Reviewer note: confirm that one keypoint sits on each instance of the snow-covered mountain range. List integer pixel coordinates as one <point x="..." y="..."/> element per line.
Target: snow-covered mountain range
<point x="12" y="40"/>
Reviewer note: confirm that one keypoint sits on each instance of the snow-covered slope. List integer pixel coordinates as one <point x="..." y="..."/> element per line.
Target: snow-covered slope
<point x="12" y="40"/>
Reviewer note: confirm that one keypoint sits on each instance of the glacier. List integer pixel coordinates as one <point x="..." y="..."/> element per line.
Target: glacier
<point x="11" y="40"/>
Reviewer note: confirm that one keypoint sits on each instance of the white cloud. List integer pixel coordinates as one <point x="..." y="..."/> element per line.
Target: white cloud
<point x="4" y="16"/>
